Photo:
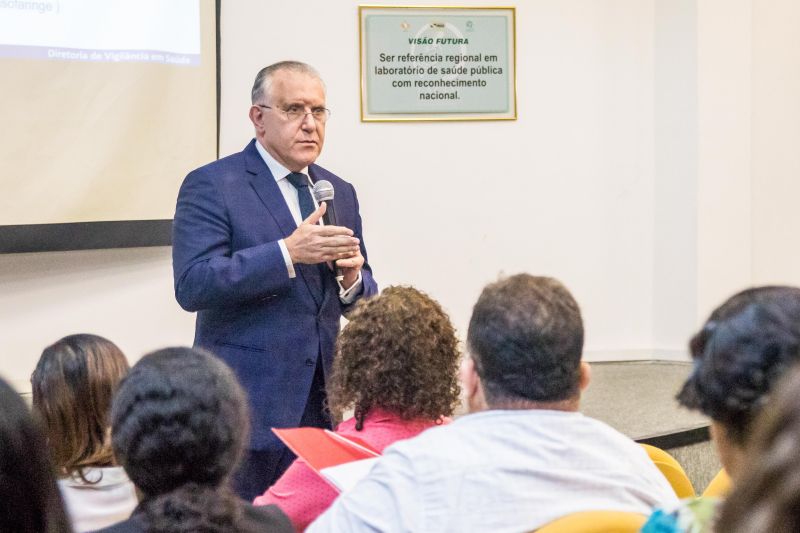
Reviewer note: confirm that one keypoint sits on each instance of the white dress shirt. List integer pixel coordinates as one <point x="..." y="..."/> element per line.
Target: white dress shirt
<point x="290" y="195"/>
<point x="500" y="471"/>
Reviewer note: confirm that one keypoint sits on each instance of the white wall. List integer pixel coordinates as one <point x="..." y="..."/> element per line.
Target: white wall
<point x="565" y="190"/>
<point x="703" y="224"/>
<point x="124" y="295"/>
<point x="748" y="136"/>
<point x="776" y="142"/>
<point x="724" y="237"/>
<point x="675" y="282"/>
<point x="652" y="169"/>
<point x="727" y="132"/>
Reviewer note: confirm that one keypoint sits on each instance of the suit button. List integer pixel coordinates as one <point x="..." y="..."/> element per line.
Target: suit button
<point x="309" y="362"/>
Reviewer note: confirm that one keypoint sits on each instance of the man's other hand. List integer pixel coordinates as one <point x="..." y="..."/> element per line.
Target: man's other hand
<point x="312" y="244"/>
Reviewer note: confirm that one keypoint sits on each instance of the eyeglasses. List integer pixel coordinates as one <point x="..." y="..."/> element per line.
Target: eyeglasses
<point x="296" y="113"/>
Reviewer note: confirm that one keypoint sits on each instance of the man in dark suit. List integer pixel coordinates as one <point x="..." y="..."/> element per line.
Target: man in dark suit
<point x="251" y="258"/>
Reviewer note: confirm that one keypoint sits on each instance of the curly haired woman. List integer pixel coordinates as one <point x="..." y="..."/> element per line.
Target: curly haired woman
<point x="396" y="369"/>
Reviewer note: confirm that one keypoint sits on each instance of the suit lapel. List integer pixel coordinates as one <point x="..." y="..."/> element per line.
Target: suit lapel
<point x="268" y="191"/>
<point x="262" y="180"/>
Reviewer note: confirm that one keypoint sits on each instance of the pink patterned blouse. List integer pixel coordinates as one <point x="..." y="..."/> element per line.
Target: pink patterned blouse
<point x="303" y="495"/>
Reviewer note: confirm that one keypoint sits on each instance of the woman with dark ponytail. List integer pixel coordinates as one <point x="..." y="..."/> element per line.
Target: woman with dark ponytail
<point x="179" y="425"/>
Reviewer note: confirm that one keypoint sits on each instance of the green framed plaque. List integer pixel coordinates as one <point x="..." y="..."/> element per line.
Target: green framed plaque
<point x="437" y="63"/>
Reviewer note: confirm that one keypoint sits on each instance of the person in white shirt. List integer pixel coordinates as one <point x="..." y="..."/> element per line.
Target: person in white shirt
<point x="524" y="456"/>
<point x="73" y="385"/>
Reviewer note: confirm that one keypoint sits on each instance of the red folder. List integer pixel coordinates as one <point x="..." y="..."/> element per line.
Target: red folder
<point x="322" y="448"/>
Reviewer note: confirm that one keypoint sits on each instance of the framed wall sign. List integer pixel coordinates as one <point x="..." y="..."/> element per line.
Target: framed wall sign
<point x="437" y="63"/>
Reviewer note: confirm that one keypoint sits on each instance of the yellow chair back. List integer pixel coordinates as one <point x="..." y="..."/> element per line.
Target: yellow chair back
<point x="677" y="479"/>
<point x="596" y="522"/>
<point x="672" y="470"/>
<point x="719" y="486"/>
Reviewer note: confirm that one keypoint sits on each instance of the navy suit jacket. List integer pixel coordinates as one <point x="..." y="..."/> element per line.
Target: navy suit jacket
<point x="269" y="328"/>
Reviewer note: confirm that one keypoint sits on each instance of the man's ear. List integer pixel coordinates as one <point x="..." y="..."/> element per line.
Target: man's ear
<point x="257" y="117"/>
<point x="472" y="386"/>
<point x="585" y="376"/>
<point x="469" y="377"/>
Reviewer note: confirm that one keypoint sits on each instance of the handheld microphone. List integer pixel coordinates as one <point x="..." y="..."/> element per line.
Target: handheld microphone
<point x="323" y="192"/>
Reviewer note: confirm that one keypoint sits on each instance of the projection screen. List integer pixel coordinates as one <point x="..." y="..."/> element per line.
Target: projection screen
<point x="106" y="105"/>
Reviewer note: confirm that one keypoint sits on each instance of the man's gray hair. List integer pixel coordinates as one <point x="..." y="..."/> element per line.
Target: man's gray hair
<point x="264" y="77"/>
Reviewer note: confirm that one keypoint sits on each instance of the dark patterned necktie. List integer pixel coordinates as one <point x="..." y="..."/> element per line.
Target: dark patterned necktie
<point x="313" y="274"/>
<point x="300" y="182"/>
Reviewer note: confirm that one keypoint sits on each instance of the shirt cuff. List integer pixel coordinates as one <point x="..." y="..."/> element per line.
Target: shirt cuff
<point x="288" y="260"/>
<point x="348" y="296"/>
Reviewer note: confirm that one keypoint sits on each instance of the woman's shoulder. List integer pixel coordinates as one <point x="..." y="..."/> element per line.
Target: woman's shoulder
<point x="266" y="518"/>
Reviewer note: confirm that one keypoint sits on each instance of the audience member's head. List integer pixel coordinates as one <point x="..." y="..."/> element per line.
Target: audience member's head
<point x="29" y="497"/>
<point x="179" y="425"/>
<point x="525" y="341"/>
<point x="73" y="385"/>
<point x="767" y="497"/>
<point x="744" y="347"/>
<point x="398" y="353"/>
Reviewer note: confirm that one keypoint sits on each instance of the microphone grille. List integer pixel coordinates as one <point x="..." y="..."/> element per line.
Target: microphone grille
<point x="323" y="191"/>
